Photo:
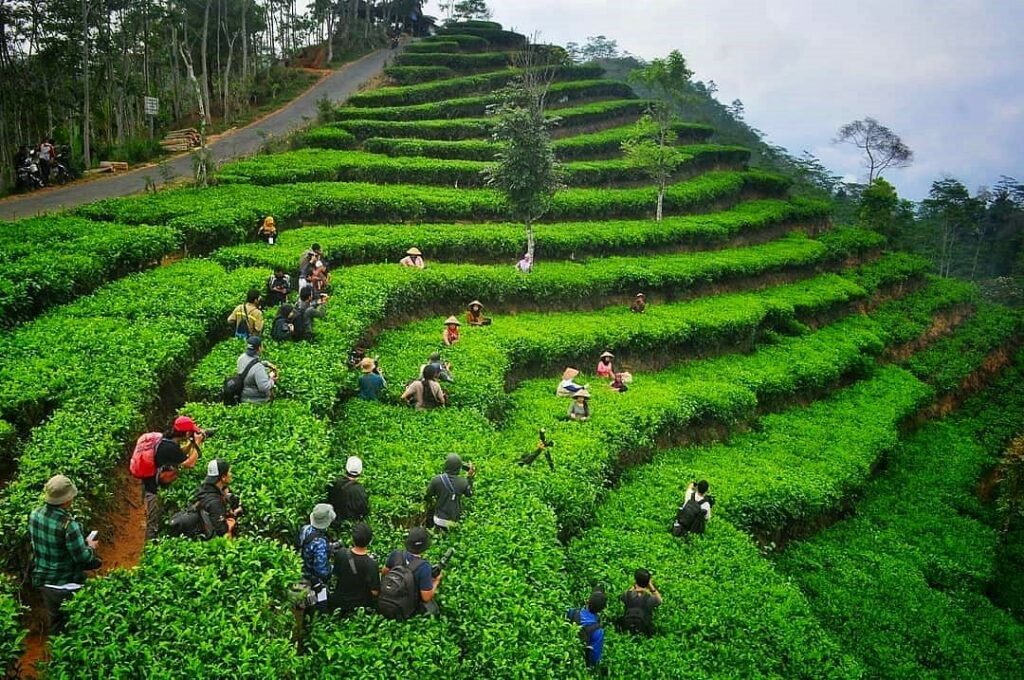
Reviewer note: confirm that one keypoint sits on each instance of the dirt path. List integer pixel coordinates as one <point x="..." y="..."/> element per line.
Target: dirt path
<point x="338" y="86"/>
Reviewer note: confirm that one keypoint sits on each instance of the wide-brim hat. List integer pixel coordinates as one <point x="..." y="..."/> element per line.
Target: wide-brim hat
<point x="413" y="251"/>
<point x="322" y="516"/>
<point x="452" y="320"/>
<point x="640" y="295"/>
<point x="608" y="354"/>
<point x="477" y="303"/>
<point x="59" y="490"/>
<point x="582" y="393"/>
<point x="569" y="374"/>
<point x="366" y="365"/>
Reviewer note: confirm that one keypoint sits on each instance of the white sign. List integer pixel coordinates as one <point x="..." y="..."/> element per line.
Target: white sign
<point x="151" y="105"/>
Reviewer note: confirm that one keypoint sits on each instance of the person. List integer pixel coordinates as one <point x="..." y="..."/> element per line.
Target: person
<point x="268" y="230"/>
<point x="579" y="409"/>
<point x="307" y="261"/>
<point x="346" y="495"/>
<point x="426" y="392"/>
<point x="320" y="279"/>
<point x="304" y="311"/>
<point x="413" y="258"/>
<point x="695" y="511"/>
<point x="444" y="369"/>
<point x="356" y="574"/>
<point x="639" y="304"/>
<point x="475" y="314"/>
<point x="568" y="386"/>
<point x="371" y="382"/>
<point x="258" y="386"/>
<point x="247" y="318"/>
<point x="525" y="265"/>
<point x="283" y="328"/>
<point x="62" y="553"/>
<point x="604" y="365"/>
<point x="621" y="382"/>
<point x="278" y="286"/>
<point x="446" y="490"/>
<point x="168" y="456"/>
<point x="409" y="566"/>
<point x="639" y="603"/>
<point x="450" y="336"/>
<point x="47" y="155"/>
<point x="315" y="551"/>
<point x="591" y="633"/>
<point x="214" y="498"/>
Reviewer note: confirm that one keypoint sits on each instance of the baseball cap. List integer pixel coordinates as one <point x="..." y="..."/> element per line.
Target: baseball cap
<point x="185" y="425"/>
<point x="417" y="541"/>
<point x="254" y="341"/>
<point x="354" y="466"/>
<point x="217" y="469"/>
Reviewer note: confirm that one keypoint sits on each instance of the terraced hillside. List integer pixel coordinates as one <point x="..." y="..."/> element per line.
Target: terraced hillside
<point x="841" y="402"/>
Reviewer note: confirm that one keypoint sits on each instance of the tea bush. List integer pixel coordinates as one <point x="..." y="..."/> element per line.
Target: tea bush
<point x="414" y="75"/>
<point x="11" y="632"/>
<point x="458" y="62"/>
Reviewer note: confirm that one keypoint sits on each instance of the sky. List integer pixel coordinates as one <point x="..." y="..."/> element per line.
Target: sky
<point x="945" y="75"/>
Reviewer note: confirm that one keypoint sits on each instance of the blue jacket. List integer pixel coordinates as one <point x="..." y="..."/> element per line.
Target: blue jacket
<point x="596" y="644"/>
<point x="316" y="564"/>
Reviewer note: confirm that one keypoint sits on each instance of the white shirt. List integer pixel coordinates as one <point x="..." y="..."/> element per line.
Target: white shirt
<point x="704" y="503"/>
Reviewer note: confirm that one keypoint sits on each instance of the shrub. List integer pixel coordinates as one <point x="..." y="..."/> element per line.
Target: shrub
<point x="457" y="62"/>
<point x="466" y="42"/>
<point x="413" y="75"/>
<point x="324" y="138"/>
<point x="11" y="632"/>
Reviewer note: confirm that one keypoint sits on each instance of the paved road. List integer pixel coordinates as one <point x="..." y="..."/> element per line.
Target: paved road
<point x="336" y="87"/>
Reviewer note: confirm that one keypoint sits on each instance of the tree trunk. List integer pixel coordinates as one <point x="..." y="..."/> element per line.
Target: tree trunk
<point x="86" y="151"/>
<point x="205" y="109"/>
<point x="977" y="250"/>
<point x="529" y="240"/>
<point x="245" y="43"/>
<point x="201" y="157"/>
<point x="661" y="201"/>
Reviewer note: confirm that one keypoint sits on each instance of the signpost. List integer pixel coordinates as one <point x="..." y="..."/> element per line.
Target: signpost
<point x="151" y="107"/>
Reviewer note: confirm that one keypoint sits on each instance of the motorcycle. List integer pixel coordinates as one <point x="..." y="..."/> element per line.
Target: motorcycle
<point x="29" y="178"/>
<point x="60" y="172"/>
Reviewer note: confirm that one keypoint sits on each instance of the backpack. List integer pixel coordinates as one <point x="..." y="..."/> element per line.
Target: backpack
<point x="429" y="399"/>
<point x="231" y="393"/>
<point x="191" y="522"/>
<point x="399" y="598"/>
<point x="242" y="324"/>
<point x="347" y="505"/>
<point x="280" y="331"/>
<point x="586" y="633"/>
<point x="691" y="518"/>
<point x="143" y="462"/>
<point x="635" y="619"/>
<point x="308" y="541"/>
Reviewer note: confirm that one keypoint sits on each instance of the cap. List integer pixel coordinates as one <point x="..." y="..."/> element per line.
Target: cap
<point x="185" y="425"/>
<point x="216" y="469"/>
<point x="452" y="320"/>
<point x="254" y="341"/>
<point x="453" y="463"/>
<point x="417" y="541"/>
<point x="322" y="516"/>
<point x="59" y="490"/>
<point x="362" y="535"/>
<point x="366" y="365"/>
<point x="354" y="466"/>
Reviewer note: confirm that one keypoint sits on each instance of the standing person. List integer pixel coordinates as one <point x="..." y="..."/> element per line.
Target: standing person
<point x="247" y="318"/>
<point x="47" y="155"/>
<point x="62" y="554"/>
<point x="413" y="258"/>
<point x="695" y="511"/>
<point x="426" y="392"/>
<point x="604" y="365"/>
<point x="167" y="456"/>
<point x="346" y="495"/>
<point x="639" y="304"/>
<point x="475" y="314"/>
<point x="258" y="382"/>
<point x="307" y="262"/>
<point x="278" y="286"/>
<point x="268" y="230"/>
<point x="591" y="633"/>
<point x="356" y="574"/>
<point x="371" y="382"/>
<point x="304" y="311"/>
<point x="639" y="602"/>
<point x="409" y="584"/>
<point x="214" y="498"/>
<point x="446" y="490"/>
<point x="450" y="336"/>
<point x="315" y="551"/>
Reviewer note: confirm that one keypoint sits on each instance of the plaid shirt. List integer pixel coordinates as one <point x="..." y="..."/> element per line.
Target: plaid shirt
<point x="61" y="553"/>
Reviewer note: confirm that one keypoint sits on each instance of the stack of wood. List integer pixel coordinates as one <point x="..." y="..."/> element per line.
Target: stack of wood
<point x="180" y="140"/>
<point x="108" y="166"/>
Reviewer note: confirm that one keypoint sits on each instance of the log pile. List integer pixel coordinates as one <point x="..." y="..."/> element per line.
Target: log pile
<point x="180" y="140"/>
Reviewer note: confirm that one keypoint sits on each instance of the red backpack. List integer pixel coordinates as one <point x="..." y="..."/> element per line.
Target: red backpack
<point x="143" y="462"/>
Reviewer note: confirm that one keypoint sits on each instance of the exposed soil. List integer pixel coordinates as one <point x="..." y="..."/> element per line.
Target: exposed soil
<point x="943" y="324"/>
<point x="123" y="527"/>
<point x="988" y="485"/>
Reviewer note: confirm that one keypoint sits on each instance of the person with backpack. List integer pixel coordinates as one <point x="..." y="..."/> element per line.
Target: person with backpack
<point x="62" y="553"/>
<point x="444" y="368"/>
<point x="356" y="574"/>
<point x="278" y="286"/>
<point x="315" y="551"/>
<point x="695" y="511"/>
<point x="257" y="381"/>
<point x="639" y="603"/>
<point x="446" y="490"/>
<point x="371" y="382"/>
<point x="307" y="261"/>
<point x="409" y="584"/>
<point x="304" y="311"/>
<point x="346" y="495"/>
<point x="426" y="393"/>
<point x="215" y="503"/>
<point x="283" y="329"/>
<point x="156" y="459"/>
<point x="591" y="633"/>
<point x="247" y="318"/>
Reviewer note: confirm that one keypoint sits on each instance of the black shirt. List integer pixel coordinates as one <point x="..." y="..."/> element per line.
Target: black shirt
<point x="353" y="590"/>
<point x="349" y="499"/>
<point x="640" y="600"/>
<point x="168" y="454"/>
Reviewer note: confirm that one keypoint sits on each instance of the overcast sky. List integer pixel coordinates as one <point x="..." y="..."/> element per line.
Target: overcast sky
<point x="946" y="75"/>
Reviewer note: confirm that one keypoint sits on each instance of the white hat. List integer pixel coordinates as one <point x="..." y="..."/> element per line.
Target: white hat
<point x="354" y="466"/>
<point x="322" y="516"/>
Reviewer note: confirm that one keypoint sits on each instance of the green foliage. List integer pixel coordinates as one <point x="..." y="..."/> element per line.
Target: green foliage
<point x="11" y="633"/>
<point x="878" y="204"/>
<point x="456" y="62"/>
<point x="324" y="138"/>
<point x="413" y="75"/>
<point x="494" y="36"/>
<point x="432" y="46"/>
<point x="465" y="41"/>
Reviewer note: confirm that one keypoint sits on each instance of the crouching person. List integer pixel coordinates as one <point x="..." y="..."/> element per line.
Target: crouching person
<point x="315" y="550"/>
<point x="695" y="511"/>
<point x="409" y="583"/>
<point x="591" y="633"/>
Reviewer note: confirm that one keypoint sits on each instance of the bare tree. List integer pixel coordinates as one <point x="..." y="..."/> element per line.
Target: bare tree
<point x="882" y="147"/>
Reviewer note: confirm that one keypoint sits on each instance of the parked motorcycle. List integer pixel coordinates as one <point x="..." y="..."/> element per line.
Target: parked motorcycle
<point x="29" y="177"/>
<point x="60" y="169"/>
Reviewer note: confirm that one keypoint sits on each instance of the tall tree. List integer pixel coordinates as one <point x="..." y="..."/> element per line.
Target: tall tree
<point x="951" y="206"/>
<point x="878" y="205"/>
<point x="883" y="148"/>
<point x="471" y="9"/>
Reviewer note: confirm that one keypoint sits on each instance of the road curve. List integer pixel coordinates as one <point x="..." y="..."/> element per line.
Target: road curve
<point x="247" y="140"/>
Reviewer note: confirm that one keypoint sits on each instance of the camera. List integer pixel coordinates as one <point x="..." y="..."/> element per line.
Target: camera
<point x="443" y="563"/>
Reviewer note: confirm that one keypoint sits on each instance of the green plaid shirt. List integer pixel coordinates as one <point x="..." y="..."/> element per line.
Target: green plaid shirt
<point x="61" y="553"/>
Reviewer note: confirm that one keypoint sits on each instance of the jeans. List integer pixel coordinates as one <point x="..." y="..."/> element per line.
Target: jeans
<point x="154" y="511"/>
<point x="53" y="598"/>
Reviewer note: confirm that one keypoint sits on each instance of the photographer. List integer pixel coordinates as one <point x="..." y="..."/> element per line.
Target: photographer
<point x="315" y="550"/>
<point x="308" y="307"/>
<point x="695" y="511"/>
<point x="445" y="492"/>
<point x="214" y="498"/>
<point x="258" y="381"/>
<point x="639" y="602"/>
<point x="247" y="318"/>
<point x="169" y="453"/>
<point x="409" y="582"/>
<point x="443" y="368"/>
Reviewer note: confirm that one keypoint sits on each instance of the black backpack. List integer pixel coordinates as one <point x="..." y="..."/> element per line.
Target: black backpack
<point x="192" y="522"/>
<point x="231" y="392"/>
<point x="586" y="633"/>
<point x="635" y="619"/>
<point x="399" y="597"/>
<point x="429" y="398"/>
<point x="691" y="519"/>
